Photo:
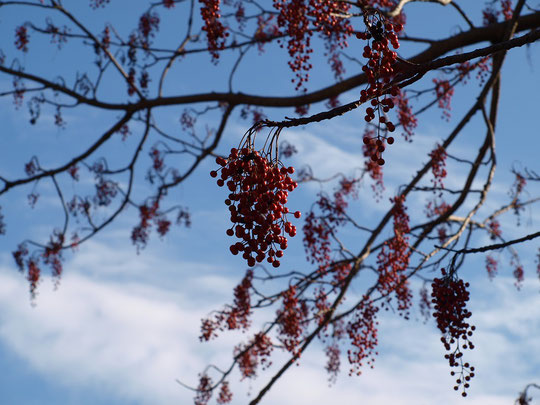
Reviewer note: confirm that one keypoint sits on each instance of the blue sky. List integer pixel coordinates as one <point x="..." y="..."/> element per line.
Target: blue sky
<point x="122" y="327"/>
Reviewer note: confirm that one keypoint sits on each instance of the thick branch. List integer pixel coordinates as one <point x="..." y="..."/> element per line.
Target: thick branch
<point x="438" y="48"/>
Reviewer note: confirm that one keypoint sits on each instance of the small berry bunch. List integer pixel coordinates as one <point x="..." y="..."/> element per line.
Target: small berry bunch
<point x="450" y="297"/>
<point x="376" y="147"/>
<point x="259" y="189"/>
<point x="379" y="71"/>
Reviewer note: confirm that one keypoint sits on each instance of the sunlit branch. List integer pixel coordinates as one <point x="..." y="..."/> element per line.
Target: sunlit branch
<point x="495" y="246"/>
<point x="397" y="9"/>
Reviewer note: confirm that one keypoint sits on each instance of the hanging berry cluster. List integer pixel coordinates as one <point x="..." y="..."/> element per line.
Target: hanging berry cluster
<point x="299" y="19"/>
<point x="450" y="297"/>
<point x="259" y="186"/>
<point x="21" y="38"/>
<point x="291" y="320"/>
<point x="438" y="166"/>
<point x="379" y="70"/>
<point x="216" y="32"/>
<point x="394" y="257"/>
<point x="363" y="331"/>
<point x="254" y="353"/>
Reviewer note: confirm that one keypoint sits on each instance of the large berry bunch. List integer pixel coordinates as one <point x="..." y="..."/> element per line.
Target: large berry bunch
<point x="259" y="189"/>
<point x="450" y="297"/>
<point x="379" y="71"/>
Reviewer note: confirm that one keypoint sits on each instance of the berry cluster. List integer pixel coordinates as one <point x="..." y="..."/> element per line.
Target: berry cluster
<point x="379" y="70"/>
<point x="375" y="171"/>
<point x="299" y="20"/>
<point x="225" y="394"/>
<point x="394" y="258"/>
<point x="216" y="32"/>
<point x="376" y="148"/>
<point x="259" y="189"/>
<point x="363" y="331"/>
<point x="444" y="91"/>
<point x="291" y="320"/>
<point x="256" y="352"/>
<point x="491" y="266"/>
<point x="450" y="297"/>
<point x="148" y="25"/>
<point x="438" y="166"/>
<point x="21" y="38"/>
<point x="204" y="390"/>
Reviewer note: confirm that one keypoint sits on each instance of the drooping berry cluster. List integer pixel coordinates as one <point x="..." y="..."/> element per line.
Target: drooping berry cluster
<point x="299" y="20"/>
<point x="225" y="395"/>
<point x="22" y="38"/>
<point x="363" y="334"/>
<point x="259" y="189"/>
<point x="494" y="229"/>
<point x="519" y="276"/>
<point x="491" y="266"/>
<point x="375" y="171"/>
<point x="438" y="166"/>
<point x="204" y="390"/>
<point x="444" y="91"/>
<point x="450" y="298"/>
<point x="253" y="354"/>
<point x="216" y="32"/>
<point x="379" y="70"/>
<point x="376" y="147"/>
<point x="291" y="319"/>
<point x="394" y="258"/>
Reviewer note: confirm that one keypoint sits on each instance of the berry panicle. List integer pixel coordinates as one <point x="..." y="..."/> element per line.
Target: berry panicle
<point x="379" y="69"/>
<point x="450" y="298"/>
<point x="259" y="187"/>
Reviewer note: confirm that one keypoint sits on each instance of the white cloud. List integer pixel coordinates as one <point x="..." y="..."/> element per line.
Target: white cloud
<point x="94" y="334"/>
<point x="122" y="323"/>
<point x="129" y="325"/>
<point x="133" y="340"/>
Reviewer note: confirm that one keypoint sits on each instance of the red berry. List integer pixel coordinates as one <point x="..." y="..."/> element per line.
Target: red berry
<point x="297" y="214"/>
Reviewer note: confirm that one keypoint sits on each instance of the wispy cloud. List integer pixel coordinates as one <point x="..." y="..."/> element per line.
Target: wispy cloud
<point x="132" y="339"/>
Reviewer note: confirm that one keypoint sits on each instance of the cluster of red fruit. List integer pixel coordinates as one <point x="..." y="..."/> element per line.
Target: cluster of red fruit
<point x="259" y="189"/>
<point x="450" y="297"/>
<point x="379" y="70"/>
<point x="376" y="147"/>
<point x="216" y="32"/>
